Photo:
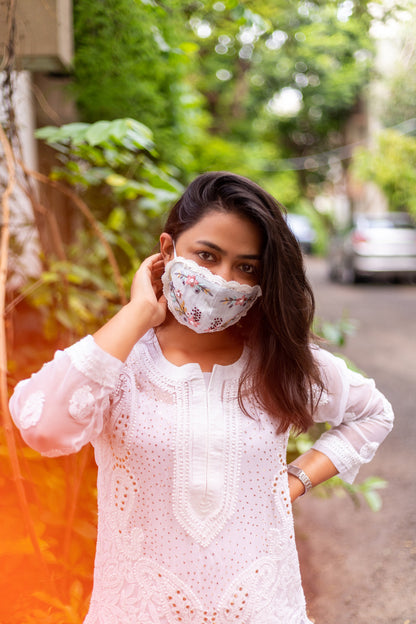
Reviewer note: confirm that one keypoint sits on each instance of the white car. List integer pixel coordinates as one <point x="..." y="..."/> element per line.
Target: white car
<point x="376" y="246"/>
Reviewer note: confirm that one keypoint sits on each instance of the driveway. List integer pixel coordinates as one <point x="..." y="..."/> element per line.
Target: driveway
<point x="359" y="567"/>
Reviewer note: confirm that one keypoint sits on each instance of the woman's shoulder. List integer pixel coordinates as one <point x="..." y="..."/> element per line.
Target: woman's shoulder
<point x="338" y="371"/>
<point x="333" y="368"/>
<point x="326" y="358"/>
<point x="323" y="356"/>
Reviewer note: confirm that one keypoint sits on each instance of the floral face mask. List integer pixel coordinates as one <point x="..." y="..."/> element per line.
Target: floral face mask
<point x="203" y="301"/>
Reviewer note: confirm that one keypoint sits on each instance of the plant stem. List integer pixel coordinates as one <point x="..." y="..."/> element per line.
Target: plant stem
<point x="82" y="206"/>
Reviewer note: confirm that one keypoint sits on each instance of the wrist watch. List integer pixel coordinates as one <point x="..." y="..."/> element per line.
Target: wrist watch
<point x="302" y="476"/>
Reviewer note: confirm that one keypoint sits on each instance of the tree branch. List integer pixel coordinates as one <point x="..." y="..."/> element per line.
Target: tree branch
<point x="82" y="206"/>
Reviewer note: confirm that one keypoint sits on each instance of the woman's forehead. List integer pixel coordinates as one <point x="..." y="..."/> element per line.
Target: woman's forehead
<point x="225" y="228"/>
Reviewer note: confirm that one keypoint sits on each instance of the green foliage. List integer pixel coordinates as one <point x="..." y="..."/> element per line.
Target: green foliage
<point x="399" y="103"/>
<point x="112" y="167"/>
<point x="367" y="490"/>
<point x="336" y="332"/>
<point x="128" y="62"/>
<point x="117" y="154"/>
<point x="205" y="77"/>
<point x="73" y="298"/>
<point x="392" y="167"/>
<point x="391" y="164"/>
<point x="250" y="54"/>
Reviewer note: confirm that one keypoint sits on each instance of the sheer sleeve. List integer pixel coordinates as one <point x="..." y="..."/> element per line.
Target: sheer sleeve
<point x="359" y="414"/>
<point x="62" y="407"/>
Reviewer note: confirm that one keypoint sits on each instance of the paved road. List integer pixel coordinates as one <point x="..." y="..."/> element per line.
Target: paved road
<point x="359" y="567"/>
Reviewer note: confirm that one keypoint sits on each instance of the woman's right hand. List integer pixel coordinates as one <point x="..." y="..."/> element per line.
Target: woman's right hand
<point x="147" y="289"/>
<point x="146" y="309"/>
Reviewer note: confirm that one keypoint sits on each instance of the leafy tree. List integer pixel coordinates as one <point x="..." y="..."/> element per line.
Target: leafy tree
<point x="282" y="74"/>
<point x="123" y="195"/>
<point x="129" y="60"/>
<point x="213" y="79"/>
<point x="391" y="163"/>
<point x="399" y="105"/>
<point x="392" y="166"/>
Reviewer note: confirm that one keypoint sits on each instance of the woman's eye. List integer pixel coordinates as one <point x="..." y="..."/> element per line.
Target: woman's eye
<point x="248" y="268"/>
<point x="205" y="256"/>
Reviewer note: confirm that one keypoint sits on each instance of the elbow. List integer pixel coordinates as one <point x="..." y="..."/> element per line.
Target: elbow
<point x="27" y="416"/>
<point x="39" y="441"/>
<point x="38" y="429"/>
<point x="387" y="415"/>
<point x="56" y="427"/>
<point x="51" y="444"/>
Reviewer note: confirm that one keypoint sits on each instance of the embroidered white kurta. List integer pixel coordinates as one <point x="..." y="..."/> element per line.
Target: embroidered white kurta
<point x="195" y="521"/>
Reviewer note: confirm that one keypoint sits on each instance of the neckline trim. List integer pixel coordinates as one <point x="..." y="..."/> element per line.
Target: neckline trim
<point x="191" y="368"/>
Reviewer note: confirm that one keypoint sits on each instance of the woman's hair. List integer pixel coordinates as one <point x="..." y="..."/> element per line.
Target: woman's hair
<point x="281" y="373"/>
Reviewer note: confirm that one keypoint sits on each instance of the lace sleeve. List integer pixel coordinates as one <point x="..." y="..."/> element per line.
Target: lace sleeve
<point x="360" y="415"/>
<point x="61" y="407"/>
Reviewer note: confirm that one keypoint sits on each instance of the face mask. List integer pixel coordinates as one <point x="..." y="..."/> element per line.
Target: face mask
<point x="203" y="301"/>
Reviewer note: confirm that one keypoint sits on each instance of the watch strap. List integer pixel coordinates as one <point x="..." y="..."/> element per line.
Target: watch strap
<point x="301" y="475"/>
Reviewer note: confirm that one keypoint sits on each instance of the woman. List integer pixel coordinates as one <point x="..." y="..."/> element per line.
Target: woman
<point x="188" y="395"/>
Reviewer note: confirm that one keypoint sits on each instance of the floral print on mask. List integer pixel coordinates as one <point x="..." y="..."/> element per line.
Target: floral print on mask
<point x="203" y="301"/>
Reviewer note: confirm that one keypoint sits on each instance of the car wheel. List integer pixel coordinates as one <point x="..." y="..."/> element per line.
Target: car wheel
<point x="333" y="275"/>
<point x="347" y="275"/>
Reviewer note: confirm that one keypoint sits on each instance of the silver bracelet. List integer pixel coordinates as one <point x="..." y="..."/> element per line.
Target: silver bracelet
<point x="302" y="476"/>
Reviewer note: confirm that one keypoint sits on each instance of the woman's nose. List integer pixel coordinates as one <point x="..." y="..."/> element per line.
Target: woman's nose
<point x="225" y="271"/>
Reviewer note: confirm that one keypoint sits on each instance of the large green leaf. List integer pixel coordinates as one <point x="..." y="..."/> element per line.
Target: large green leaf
<point x="98" y="133"/>
<point x="70" y="132"/>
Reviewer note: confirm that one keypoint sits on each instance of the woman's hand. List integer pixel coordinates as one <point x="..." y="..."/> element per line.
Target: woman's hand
<point x="147" y="290"/>
<point x="146" y="309"/>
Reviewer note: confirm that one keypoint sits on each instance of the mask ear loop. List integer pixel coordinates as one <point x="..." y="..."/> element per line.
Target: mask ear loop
<point x="174" y="249"/>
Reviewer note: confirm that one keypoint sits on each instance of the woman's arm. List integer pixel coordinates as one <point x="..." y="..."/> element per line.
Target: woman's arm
<point x="360" y="416"/>
<point x="63" y="406"/>
<point x="316" y="466"/>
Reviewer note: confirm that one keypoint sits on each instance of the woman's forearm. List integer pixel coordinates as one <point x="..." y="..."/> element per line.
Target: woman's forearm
<point x="317" y="466"/>
<point x="121" y="333"/>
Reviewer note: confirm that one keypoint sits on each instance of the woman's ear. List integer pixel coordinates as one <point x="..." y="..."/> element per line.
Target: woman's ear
<point x="166" y="247"/>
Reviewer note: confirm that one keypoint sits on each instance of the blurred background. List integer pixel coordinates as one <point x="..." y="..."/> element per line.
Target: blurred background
<point x="108" y="109"/>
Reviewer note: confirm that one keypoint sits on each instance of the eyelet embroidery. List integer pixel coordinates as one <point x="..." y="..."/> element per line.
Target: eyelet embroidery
<point x="138" y="531"/>
<point x="266" y="591"/>
<point x="32" y="410"/>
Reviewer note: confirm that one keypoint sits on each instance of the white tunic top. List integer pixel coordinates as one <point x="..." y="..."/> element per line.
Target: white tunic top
<point x="195" y="522"/>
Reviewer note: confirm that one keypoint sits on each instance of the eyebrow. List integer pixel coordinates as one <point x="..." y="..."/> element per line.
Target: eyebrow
<point x="217" y="248"/>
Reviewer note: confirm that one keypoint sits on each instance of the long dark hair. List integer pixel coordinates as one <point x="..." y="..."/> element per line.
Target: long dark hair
<point x="281" y="374"/>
